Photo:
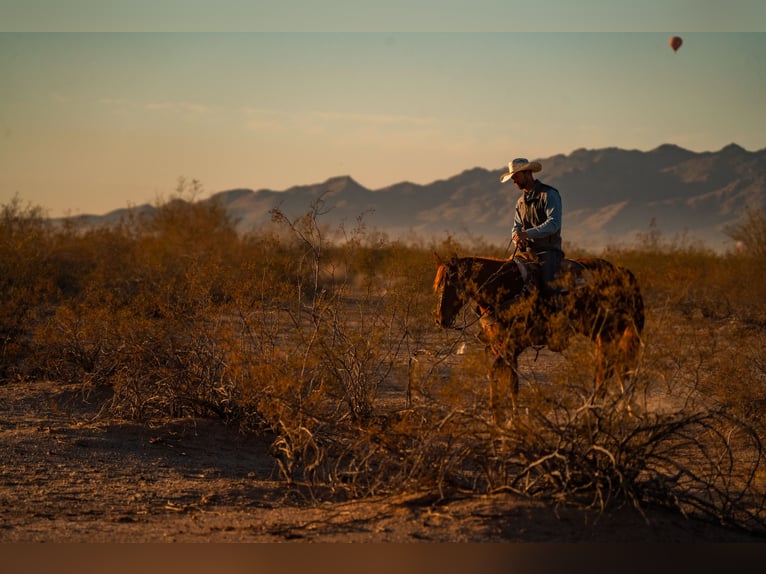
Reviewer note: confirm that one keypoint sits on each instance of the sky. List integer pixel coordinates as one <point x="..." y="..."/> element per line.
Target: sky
<point x="107" y="104"/>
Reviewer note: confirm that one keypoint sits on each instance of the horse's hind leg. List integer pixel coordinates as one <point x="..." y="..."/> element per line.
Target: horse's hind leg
<point x="616" y="359"/>
<point x="627" y="353"/>
<point x="629" y="350"/>
<point x="604" y="368"/>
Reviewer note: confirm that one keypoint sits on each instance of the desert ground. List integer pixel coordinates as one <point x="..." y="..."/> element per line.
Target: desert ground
<point x="68" y="475"/>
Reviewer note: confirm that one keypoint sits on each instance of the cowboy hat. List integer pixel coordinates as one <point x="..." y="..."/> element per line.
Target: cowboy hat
<point x="520" y="164"/>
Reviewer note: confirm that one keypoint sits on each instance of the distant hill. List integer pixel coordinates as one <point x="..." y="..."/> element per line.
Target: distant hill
<point x="610" y="196"/>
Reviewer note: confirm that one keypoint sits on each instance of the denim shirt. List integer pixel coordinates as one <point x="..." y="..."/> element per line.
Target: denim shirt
<point x="538" y="212"/>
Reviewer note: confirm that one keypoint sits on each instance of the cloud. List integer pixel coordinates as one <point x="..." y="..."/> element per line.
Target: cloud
<point x="268" y="119"/>
<point x="59" y="97"/>
<point x="260" y="119"/>
<point x="377" y="119"/>
<point x="112" y="102"/>
<point x="387" y="131"/>
<point x="179" y="107"/>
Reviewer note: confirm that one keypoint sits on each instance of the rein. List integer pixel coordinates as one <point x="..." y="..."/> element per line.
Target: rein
<point x="467" y="325"/>
<point x="524" y="276"/>
<point x="523" y="271"/>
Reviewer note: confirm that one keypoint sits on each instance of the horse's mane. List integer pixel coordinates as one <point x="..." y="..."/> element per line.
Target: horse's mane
<point x="441" y="271"/>
<point x="498" y="259"/>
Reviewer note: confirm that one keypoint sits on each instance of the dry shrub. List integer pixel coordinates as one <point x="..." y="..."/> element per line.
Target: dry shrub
<point x="654" y="442"/>
<point x="138" y="306"/>
<point x="324" y="348"/>
<point x="27" y="283"/>
<point x="317" y="336"/>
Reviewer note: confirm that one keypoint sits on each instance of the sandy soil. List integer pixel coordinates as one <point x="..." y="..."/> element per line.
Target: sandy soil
<point x="65" y="479"/>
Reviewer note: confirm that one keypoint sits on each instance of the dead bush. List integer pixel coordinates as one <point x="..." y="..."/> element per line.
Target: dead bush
<point x="325" y="339"/>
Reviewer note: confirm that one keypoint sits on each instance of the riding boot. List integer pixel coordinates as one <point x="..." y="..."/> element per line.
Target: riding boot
<point x="556" y="301"/>
<point x="553" y="299"/>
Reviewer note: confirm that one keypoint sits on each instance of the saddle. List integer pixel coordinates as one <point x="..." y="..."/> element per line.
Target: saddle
<point x="573" y="274"/>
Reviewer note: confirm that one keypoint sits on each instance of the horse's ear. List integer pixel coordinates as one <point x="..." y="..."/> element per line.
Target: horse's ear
<point x="437" y="259"/>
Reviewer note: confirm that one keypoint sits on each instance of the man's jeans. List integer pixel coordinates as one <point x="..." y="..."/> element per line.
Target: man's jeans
<point x="550" y="263"/>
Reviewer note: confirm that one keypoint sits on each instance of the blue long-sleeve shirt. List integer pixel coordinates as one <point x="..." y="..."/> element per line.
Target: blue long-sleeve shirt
<point x="539" y="213"/>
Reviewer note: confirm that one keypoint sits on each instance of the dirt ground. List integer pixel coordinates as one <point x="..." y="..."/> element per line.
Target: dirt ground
<point x="64" y="478"/>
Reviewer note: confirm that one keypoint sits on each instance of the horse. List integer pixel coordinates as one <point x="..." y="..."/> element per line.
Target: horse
<point x="593" y="297"/>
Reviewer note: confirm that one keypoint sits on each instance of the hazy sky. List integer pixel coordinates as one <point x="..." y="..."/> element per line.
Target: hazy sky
<point x="106" y="104"/>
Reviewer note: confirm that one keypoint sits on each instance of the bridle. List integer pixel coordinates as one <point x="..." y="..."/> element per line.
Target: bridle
<point x="479" y="315"/>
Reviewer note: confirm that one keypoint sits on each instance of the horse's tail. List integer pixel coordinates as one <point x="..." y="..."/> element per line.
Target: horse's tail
<point x="631" y="302"/>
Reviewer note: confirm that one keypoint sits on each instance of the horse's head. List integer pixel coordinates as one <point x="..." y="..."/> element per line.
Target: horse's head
<point x="489" y="282"/>
<point x="450" y="300"/>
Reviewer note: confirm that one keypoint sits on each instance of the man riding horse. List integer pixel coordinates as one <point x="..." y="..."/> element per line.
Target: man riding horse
<point x="520" y="304"/>
<point x="537" y="221"/>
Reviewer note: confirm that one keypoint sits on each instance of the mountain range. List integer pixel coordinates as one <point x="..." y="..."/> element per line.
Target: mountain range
<point x="611" y="196"/>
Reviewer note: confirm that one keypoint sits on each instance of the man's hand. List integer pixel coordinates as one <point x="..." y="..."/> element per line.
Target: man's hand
<point x="520" y="239"/>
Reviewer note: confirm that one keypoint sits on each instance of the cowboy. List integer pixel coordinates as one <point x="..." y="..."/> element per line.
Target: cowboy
<point x="537" y="223"/>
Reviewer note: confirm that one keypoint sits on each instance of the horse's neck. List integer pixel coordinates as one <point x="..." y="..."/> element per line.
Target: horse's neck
<point x="494" y="277"/>
<point x="479" y="271"/>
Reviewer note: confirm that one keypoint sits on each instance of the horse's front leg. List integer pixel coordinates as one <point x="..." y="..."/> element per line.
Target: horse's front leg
<point x="503" y="387"/>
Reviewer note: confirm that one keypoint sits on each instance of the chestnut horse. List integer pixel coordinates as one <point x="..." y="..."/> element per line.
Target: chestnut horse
<point x="595" y="298"/>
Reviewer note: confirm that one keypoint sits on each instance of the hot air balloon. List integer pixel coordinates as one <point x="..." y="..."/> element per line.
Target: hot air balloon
<point x="675" y="42"/>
